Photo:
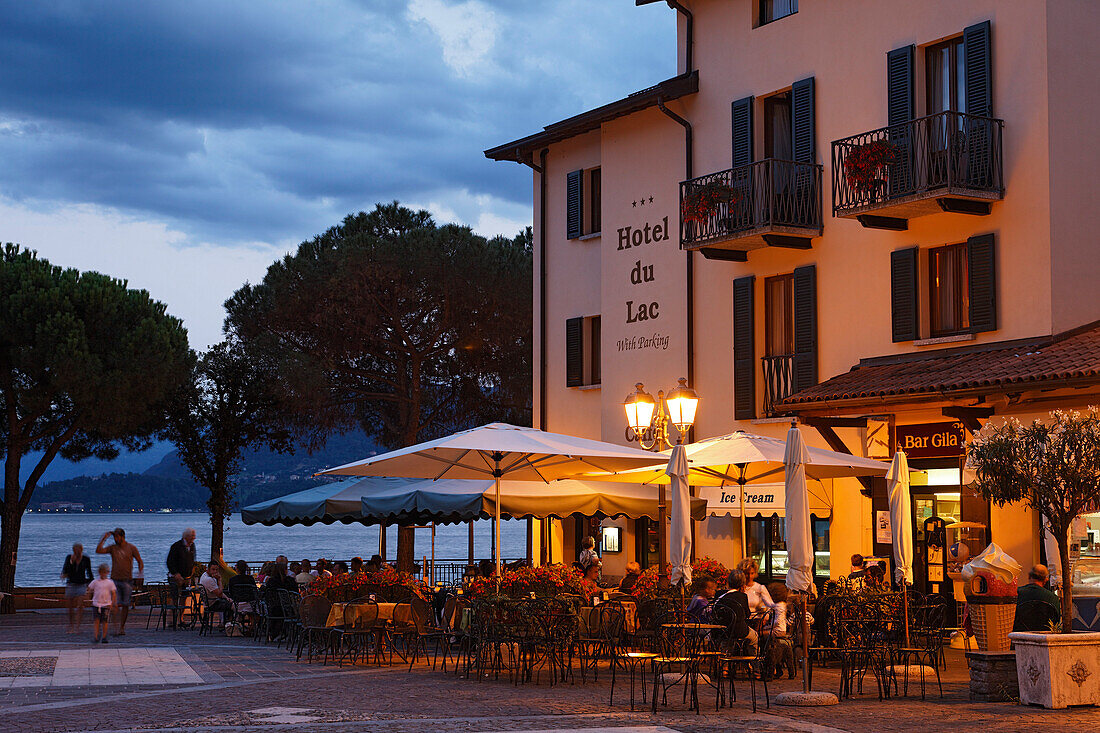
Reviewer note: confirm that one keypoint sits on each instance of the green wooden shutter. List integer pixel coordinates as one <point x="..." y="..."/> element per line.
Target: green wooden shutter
<point x="805" y="328"/>
<point x="978" y="48"/>
<point x="744" y="358"/>
<point x="899" y="103"/>
<point x="904" y="306"/>
<point x="982" y="272"/>
<point x="574" y="352"/>
<point x="574" y="206"/>
<point x="741" y="114"/>
<point x="802" y="121"/>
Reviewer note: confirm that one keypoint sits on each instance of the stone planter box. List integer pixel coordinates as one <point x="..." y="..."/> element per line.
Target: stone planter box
<point x="992" y="676"/>
<point x="1058" y="670"/>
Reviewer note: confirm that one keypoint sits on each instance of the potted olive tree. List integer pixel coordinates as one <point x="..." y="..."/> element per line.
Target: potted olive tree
<point x="1052" y="466"/>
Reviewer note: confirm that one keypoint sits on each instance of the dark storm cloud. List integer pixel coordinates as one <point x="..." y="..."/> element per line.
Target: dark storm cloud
<point x="268" y="120"/>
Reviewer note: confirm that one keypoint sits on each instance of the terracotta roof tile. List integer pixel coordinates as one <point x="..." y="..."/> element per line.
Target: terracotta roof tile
<point x="1074" y="355"/>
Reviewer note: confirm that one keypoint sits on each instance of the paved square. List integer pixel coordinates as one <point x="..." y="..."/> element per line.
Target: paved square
<point x="107" y="666"/>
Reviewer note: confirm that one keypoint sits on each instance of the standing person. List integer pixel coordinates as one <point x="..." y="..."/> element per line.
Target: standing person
<point x="104" y="595"/>
<point x="123" y="554"/>
<point x="77" y="572"/>
<point x="181" y="563"/>
<point x="588" y="552"/>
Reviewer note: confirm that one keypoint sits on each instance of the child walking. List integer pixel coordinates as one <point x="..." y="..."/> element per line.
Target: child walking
<point x="104" y="595"/>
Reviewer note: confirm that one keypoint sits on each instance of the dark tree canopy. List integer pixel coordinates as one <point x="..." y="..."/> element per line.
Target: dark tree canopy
<point x="86" y="365"/>
<point x="394" y="325"/>
<point x="227" y="407"/>
<point x="397" y="326"/>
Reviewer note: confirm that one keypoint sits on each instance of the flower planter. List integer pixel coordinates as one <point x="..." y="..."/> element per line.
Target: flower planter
<point x="1058" y="670"/>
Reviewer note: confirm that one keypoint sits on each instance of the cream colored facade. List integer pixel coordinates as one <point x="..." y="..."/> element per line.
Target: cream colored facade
<point x="1043" y="60"/>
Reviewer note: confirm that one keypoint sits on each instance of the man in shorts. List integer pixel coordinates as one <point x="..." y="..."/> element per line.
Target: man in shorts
<point x="123" y="554"/>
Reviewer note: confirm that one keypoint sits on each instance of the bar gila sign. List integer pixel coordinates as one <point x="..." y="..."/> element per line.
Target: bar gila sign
<point x="931" y="440"/>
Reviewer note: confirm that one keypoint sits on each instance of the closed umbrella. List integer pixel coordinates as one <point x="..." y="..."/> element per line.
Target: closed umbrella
<point x="679" y="544"/>
<point x="901" y="524"/>
<point x="800" y="549"/>
<point x="497" y="451"/>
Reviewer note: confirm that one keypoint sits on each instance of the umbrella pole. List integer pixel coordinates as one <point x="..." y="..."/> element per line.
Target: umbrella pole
<point x="744" y="540"/>
<point x="905" y="609"/>
<point x="805" y="644"/>
<point x="496" y="480"/>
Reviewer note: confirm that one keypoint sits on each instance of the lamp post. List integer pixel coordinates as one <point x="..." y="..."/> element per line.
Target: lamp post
<point x="647" y="422"/>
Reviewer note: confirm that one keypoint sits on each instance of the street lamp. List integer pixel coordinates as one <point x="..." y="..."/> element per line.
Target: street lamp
<point x="647" y="422"/>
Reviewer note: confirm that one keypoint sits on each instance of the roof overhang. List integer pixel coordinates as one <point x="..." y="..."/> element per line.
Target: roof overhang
<point x="1067" y="361"/>
<point x="524" y="149"/>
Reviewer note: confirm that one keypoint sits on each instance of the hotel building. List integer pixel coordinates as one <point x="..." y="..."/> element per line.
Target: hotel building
<point x="870" y="216"/>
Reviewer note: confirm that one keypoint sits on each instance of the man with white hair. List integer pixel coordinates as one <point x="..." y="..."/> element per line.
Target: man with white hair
<point x="181" y="564"/>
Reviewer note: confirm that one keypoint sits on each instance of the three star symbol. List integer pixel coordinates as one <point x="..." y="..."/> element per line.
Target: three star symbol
<point x="642" y="201"/>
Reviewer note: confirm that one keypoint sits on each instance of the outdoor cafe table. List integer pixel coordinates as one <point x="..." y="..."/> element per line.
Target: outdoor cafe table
<point x="590" y="617"/>
<point x="386" y="612"/>
<point x="694" y="626"/>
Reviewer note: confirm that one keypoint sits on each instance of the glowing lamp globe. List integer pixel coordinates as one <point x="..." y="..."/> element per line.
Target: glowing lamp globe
<point x="682" y="403"/>
<point x="639" y="406"/>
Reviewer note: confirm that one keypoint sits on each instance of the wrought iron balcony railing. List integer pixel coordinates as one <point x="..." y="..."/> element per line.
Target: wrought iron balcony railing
<point x="766" y="198"/>
<point x="778" y="380"/>
<point x="945" y="158"/>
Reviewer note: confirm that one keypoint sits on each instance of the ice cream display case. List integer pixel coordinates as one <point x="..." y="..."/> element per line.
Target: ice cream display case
<point x="1086" y="575"/>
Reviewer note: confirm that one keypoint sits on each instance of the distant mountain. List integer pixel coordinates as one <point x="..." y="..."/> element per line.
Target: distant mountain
<point x="60" y="469"/>
<point x="168" y="485"/>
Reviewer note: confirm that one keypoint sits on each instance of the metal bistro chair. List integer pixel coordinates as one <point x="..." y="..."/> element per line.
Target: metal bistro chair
<point x="926" y="639"/>
<point x="361" y="631"/>
<point x="421" y="631"/>
<point x="313" y="611"/>
<point x="678" y="658"/>
<point x="733" y="654"/>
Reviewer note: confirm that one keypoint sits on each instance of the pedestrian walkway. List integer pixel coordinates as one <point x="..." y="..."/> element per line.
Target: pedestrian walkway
<point x="106" y="666"/>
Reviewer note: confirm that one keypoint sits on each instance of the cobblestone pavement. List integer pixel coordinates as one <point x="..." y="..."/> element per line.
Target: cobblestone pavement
<point x="252" y="687"/>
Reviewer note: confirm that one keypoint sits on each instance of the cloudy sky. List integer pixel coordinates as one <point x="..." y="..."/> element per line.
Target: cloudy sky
<point x="185" y="145"/>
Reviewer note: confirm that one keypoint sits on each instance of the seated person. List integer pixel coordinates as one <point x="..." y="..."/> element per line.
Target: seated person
<point x="340" y="567"/>
<point x="322" y="569"/>
<point x="705" y="591"/>
<point x="1036" y="606"/>
<point x="356" y="565"/>
<point x="874" y="579"/>
<point x="781" y="652"/>
<point x="374" y="564"/>
<point x="241" y="587"/>
<point x="633" y="572"/>
<point x="857" y="573"/>
<point x="305" y="575"/>
<point x="592" y="572"/>
<point x="486" y="568"/>
<point x="216" y="598"/>
<point x="736" y="597"/>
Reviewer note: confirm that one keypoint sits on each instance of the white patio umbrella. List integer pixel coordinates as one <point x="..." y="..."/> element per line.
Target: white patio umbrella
<point x="800" y="543"/>
<point x="679" y="544"/>
<point x="742" y="458"/>
<point x="499" y="450"/>
<point x="800" y="550"/>
<point x="901" y="524"/>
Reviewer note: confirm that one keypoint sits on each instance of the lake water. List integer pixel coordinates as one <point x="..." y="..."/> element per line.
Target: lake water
<point x="47" y="538"/>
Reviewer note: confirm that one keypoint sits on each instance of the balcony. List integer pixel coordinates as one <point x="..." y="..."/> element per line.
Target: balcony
<point x="778" y="381"/>
<point x="770" y="203"/>
<point x="948" y="161"/>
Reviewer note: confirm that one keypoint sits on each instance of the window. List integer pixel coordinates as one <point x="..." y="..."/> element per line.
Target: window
<point x="594" y="350"/>
<point x="948" y="290"/>
<point x="766" y="542"/>
<point x="779" y="315"/>
<point x="777" y="127"/>
<point x="582" y="351"/>
<point x="582" y="203"/>
<point x="593" y="201"/>
<point x="775" y="9"/>
<point x="945" y="77"/>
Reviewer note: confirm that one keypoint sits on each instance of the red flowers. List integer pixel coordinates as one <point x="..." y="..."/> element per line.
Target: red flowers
<point x="865" y="165"/>
<point x="545" y="580"/>
<point x="335" y="588"/>
<point x="703" y="202"/>
<point x="705" y="567"/>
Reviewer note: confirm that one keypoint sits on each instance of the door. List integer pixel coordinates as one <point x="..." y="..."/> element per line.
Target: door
<point x="945" y="91"/>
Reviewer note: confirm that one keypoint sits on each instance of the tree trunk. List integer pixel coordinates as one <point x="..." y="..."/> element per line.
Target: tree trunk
<point x="406" y="548"/>
<point x="217" y="521"/>
<point x="1067" y="582"/>
<point x="9" y="544"/>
